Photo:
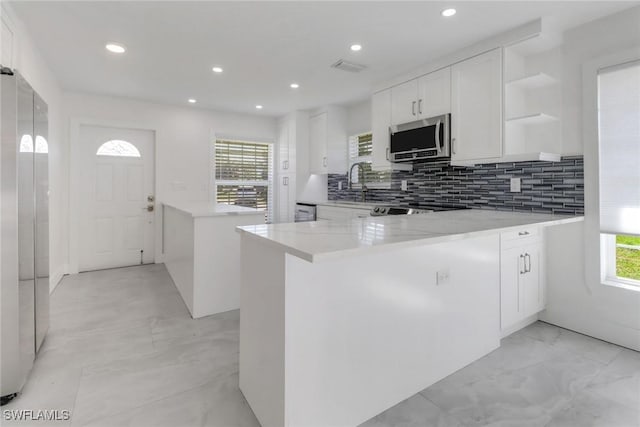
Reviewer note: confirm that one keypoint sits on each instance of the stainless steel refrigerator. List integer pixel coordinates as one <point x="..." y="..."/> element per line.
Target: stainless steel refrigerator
<point x="24" y="230"/>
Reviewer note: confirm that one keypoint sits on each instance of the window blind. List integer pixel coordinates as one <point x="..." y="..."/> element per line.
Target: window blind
<point x="619" y="139"/>
<point x="244" y="174"/>
<point x="360" y="150"/>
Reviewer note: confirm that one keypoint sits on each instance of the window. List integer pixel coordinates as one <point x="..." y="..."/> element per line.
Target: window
<point x="360" y="150"/>
<point x="118" y="148"/>
<point x="244" y="174"/>
<point x="619" y="139"/>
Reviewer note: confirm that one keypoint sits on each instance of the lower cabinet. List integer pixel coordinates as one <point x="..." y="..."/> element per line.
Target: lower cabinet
<point x="286" y="198"/>
<point x="332" y="213"/>
<point x="522" y="280"/>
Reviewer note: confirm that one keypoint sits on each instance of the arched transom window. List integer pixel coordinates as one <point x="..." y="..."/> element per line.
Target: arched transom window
<point x="118" y="148"/>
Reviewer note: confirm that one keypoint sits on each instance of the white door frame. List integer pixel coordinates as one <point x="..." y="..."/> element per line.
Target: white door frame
<point x="75" y="168"/>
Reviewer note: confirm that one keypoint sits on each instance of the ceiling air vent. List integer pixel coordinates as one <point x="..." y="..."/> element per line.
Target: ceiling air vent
<point x="351" y="67"/>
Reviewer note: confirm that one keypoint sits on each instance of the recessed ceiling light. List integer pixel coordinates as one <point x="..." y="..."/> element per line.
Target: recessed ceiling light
<point x="356" y="47"/>
<point x="294" y="85"/>
<point x="217" y="69"/>
<point x="448" y="12"/>
<point x="259" y="107"/>
<point x="115" y="48"/>
<point x="192" y="101"/>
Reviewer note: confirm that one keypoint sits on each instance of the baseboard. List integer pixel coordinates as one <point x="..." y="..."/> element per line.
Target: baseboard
<point x="521" y="324"/>
<point x="56" y="277"/>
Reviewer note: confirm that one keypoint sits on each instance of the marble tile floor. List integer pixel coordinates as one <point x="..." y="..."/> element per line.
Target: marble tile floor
<point x="122" y="350"/>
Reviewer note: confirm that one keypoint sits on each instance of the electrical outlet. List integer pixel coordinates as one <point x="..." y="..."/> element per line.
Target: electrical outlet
<point x="442" y="277"/>
<point x="515" y="185"/>
<point x="339" y="185"/>
<point x="403" y="185"/>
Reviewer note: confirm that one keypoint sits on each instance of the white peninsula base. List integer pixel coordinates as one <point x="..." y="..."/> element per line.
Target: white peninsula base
<point x="335" y="342"/>
<point x="202" y="254"/>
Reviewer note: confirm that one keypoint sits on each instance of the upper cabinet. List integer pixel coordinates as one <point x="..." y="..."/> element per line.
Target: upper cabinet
<point x="421" y="98"/>
<point x="381" y="120"/>
<point x="328" y="141"/>
<point x="476" y="108"/>
<point x="318" y="150"/>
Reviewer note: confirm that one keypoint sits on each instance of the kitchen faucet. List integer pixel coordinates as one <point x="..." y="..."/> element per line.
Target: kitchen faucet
<point x="364" y="189"/>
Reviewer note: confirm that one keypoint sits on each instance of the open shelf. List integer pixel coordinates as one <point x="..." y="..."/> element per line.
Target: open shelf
<point x="534" y="81"/>
<point x="531" y="119"/>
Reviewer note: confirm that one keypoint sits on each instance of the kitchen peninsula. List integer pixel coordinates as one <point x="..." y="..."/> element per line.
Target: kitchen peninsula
<point x="202" y="253"/>
<point x="341" y="320"/>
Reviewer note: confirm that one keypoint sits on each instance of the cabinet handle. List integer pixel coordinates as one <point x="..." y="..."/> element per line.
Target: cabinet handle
<point x="420" y="106"/>
<point x="324" y="161"/>
<point x="524" y="265"/>
<point x="527" y="261"/>
<point x="387" y="153"/>
<point x="453" y="145"/>
<point x="285" y="180"/>
<point x="413" y="108"/>
<point x="523" y="233"/>
<point x="285" y="164"/>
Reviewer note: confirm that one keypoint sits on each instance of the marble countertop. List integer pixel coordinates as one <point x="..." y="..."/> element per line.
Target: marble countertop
<point x="203" y="209"/>
<point x="316" y="241"/>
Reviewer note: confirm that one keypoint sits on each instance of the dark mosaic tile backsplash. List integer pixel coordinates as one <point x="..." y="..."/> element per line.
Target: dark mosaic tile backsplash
<point x="547" y="187"/>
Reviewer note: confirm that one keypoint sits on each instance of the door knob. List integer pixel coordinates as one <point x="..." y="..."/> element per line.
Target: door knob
<point x="150" y="198"/>
<point x="149" y="208"/>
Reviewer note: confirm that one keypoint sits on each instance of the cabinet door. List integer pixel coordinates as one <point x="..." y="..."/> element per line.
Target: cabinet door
<point x="434" y="94"/>
<point x="283" y="147"/>
<point x="532" y="284"/>
<point x="380" y="121"/>
<point x="476" y="107"/>
<point x="404" y="102"/>
<point x="318" y="161"/>
<point x="285" y="209"/>
<point x="511" y="273"/>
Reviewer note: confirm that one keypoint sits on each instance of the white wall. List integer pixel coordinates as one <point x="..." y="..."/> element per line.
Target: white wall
<point x="26" y="58"/>
<point x="576" y="298"/>
<point x="184" y="137"/>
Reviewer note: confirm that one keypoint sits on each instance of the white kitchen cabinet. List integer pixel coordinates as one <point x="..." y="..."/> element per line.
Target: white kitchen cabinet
<point x="328" y="145"/>
<point x="286" y="185"/>
<point x="291" y="143"/>
<point x="404" y="102"/>
<point x="339" y="213"/>
<point x="421" y="98"/>
<point x="476" y="108"/>
<point x="318" y="153"/>
<point x="522" y="285"/>
<point x="434" y="94"/>
<point x="380" y="122"/>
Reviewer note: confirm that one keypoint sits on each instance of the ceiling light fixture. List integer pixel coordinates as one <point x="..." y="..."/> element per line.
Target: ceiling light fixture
<point x="448" y="12"/>
<point x="217" y="69"/>
<point x="259" y="107"/>
<point x="356" y="47"/>
<point x="115" y="48"/>
<point x="294" y="85"/>
<point x="192" y="101"/>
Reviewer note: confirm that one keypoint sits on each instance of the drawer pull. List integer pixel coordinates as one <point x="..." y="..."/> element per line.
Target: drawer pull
<point x="523" y="233"/>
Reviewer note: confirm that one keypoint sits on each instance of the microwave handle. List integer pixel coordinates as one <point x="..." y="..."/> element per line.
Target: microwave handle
<point x="438" y="141"/>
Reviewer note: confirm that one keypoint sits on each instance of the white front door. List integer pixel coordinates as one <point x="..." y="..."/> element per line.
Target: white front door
<point x="116" y="197"/>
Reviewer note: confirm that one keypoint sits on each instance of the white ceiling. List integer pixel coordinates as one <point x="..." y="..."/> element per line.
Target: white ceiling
<point x="264" y="46"/>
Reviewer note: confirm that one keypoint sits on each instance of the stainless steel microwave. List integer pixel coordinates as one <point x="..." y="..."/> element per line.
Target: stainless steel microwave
<point x="427" y="139"/>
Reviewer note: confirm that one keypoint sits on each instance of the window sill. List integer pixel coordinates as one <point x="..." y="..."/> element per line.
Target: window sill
<point x="628" y="284"/>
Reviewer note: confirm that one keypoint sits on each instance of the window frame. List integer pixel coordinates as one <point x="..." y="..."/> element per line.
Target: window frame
<point x="384" y="178"/>
<point x="269" y="182"/>
<point x="598" y="250"/>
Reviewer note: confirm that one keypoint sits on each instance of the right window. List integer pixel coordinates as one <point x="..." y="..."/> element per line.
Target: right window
<point x="619" y="147"/>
